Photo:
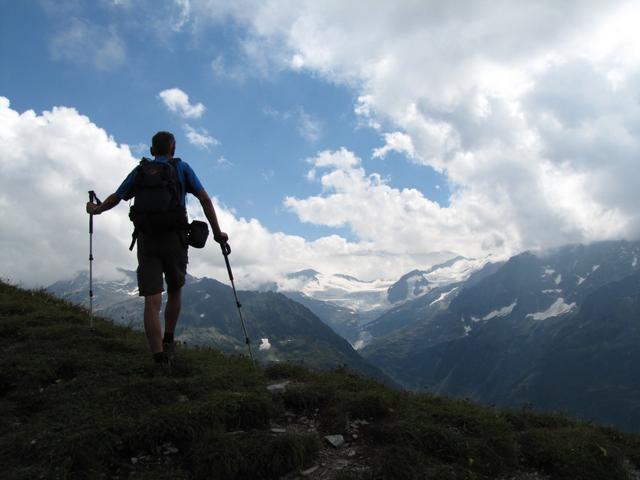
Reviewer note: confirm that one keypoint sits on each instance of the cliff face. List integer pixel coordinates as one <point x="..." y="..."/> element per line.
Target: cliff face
<point x="76" y="403"/>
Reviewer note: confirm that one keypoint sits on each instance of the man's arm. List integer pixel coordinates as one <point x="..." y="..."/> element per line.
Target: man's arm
<point x="210" y="212"/>
<point x="110" y="202"/>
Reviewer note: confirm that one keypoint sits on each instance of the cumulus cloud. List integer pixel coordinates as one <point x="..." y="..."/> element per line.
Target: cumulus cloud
<point x="395" y="142"/>
<point x="525" y="107"/>
<point x="85" y="43"/>
<point x="48" y="163"/>
<point x="177" y="101"/>
<point x="200" y="137"/>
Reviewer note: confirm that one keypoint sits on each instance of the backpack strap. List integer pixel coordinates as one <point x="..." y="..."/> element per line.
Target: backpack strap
<point x="134" y="238"/>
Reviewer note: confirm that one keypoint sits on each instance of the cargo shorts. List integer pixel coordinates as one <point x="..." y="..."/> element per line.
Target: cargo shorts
<point x="160" y="254"/>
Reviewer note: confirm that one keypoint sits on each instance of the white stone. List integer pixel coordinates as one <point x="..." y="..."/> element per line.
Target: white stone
<point x="336" y="441"/>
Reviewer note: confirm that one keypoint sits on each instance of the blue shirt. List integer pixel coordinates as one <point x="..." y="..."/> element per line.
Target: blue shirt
<point x="189" y="182"/>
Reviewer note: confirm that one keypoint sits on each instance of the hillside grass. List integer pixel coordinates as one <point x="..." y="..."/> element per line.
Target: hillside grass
<point x="81" y="403"/>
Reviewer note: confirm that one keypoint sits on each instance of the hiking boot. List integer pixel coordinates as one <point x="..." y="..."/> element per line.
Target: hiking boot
<point x="161" y="366"/>
<point x="169" y="348"/>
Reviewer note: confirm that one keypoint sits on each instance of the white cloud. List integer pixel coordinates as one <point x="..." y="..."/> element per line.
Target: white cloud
<point x="222" y="162"/>
<point x="200" y="137"/>
<point x="309" y="128"/>
<point x="529" y="115"/>
<point x="61" y="155"/>
<point x="177" y="101"/>
<point x="184" y="7"/>
<point x="396" y="142"/>
<point x="49" y="163"/>
<point x="85" y="43"/>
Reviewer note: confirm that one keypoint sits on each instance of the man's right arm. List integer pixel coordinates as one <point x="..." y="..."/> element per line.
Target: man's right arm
<point x="110" y="202"/>
<point x="124" y="192"/>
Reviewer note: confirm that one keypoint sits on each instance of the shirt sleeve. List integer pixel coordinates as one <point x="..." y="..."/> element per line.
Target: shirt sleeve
<point x="125" y="190"/>
<point x="192" y="182"/>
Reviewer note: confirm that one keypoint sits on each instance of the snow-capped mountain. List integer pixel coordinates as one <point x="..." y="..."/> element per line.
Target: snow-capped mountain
<point x="493" y="337"/>
<point x="420" y="282"/>
<point x="342" y="290"/>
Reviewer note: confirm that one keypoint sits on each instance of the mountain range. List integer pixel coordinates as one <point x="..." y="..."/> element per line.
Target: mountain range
<point x="555" y="330"/>
<point x="281" y="330"/>
<point x="559" y="330"/>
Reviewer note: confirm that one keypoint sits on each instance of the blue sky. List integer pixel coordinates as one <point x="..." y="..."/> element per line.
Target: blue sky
<point x="257" y="119"/>
<point x="345" y="136"/>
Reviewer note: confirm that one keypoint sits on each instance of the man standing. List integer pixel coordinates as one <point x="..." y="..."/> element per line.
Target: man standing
<point x="161" y="249"/>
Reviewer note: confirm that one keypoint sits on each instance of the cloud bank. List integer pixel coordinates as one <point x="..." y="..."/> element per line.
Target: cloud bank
<point x="529" y="109"/>
<point x="48" y="163"/>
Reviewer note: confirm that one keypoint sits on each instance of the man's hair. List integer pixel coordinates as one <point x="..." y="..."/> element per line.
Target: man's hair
<point x="162" y="143"/>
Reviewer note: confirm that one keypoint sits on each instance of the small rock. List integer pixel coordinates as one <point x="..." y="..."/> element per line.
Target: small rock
<point x="278" y="387"/>
<point x="341" y="463"/>
<point x="134" y="460"/>
<point x="183" y="398"/>
<point x="309" y="471"/>
<point x="336" y="441"/>
<point x="355" y="436"/>
<point x="237" y="432"/>
<point x="58" y="381"/>
<point x="278" y="430"/>
<point x="351" y="453"/>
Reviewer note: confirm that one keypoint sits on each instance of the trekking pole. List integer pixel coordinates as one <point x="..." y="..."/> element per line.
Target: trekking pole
<point x="92" y="197"/>
<point x="226" y="251"/>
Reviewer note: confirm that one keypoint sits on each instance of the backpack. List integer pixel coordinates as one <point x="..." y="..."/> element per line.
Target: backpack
<point x="157" y="208"/>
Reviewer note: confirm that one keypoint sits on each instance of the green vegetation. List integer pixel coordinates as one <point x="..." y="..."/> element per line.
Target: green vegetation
<point x="76" y="403"/>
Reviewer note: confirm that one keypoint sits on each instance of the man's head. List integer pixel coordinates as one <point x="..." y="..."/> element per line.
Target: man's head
<point x="163" y="144"/>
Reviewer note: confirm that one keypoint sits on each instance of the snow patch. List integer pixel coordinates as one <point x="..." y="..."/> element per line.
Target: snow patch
<point x="459" y="271"/>
<point x="416" y="291"/>
<point x="559" y="307"/>
<point x="595" y="267"/>
<point x="265" y="345"/>
<point x="207" y="295"/>
<point x="202" y="315"/>
<point x="503" y="312"/>
<point x="581" y="279"/>
<point x="552" y="290"/>
<point x="558" y="279"/>
<point x="467" y="330"/>
<point x="548" y="272"/>
<point x="635" y="262"/>
<point x="443" y="296"/>
<point x="133" y="293"/>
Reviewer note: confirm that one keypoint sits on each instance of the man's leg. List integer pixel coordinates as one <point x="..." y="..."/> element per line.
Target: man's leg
<point x="172" y="311"/>
<point x="152" y="304"/>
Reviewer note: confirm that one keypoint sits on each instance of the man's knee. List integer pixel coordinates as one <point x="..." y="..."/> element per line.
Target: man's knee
<point x="153" y="302"/>
<point x="174" y="292"/>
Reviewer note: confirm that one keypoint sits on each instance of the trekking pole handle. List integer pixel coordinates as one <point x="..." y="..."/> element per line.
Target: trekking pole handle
<point x="226" y="250"/>
<point x="93" y="197"/>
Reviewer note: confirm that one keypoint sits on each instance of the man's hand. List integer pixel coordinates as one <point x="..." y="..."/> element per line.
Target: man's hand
<point x="92" y="208"/>
<point x="221" y="238"/>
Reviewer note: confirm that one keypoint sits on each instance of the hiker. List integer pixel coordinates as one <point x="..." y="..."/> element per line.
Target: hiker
<point x="161" y="238"/>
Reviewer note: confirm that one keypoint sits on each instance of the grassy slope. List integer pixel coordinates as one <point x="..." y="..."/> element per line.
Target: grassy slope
<point x="76" y="403"/>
